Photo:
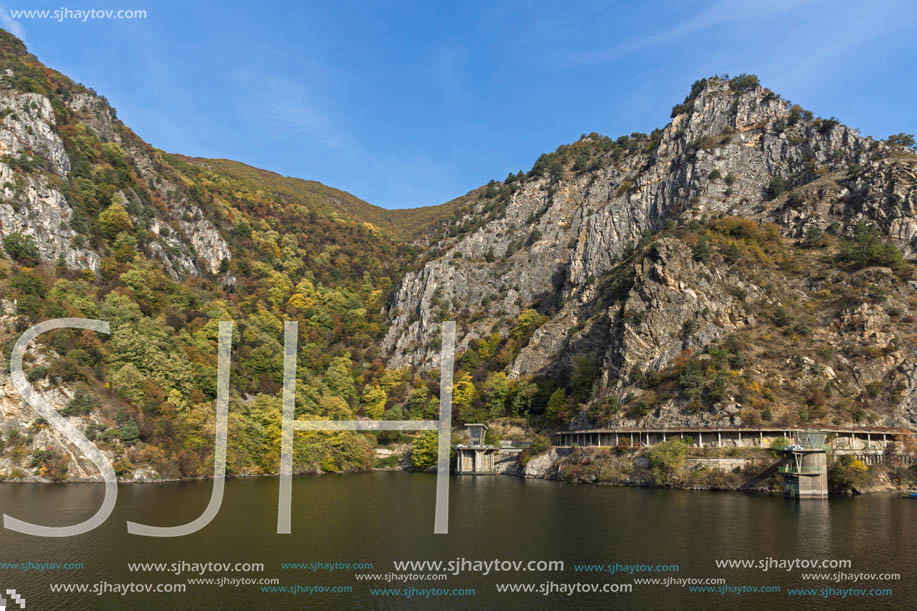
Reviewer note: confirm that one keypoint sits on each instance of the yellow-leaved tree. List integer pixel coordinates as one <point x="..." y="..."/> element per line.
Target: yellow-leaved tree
<point x="373" y="401"/>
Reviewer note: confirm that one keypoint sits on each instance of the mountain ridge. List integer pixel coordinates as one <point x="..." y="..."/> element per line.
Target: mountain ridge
<point x="734" y="152"/>
<point x="403" y="223"/>
<point x="748" y="262"/>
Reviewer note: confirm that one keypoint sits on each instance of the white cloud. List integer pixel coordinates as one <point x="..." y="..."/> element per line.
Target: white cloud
<point x="11" y="25"/>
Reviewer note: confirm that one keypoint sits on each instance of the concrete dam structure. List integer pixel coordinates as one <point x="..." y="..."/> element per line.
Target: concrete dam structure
<point x="805" y="472"/>
<point x="480" y="458"/>
<point x="871" y="445"/>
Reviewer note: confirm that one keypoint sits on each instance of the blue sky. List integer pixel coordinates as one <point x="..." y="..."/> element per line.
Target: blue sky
<point x="413" y="103"/>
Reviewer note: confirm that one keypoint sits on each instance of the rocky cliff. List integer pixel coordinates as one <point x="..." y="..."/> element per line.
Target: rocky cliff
<point x="746" y="263"/>
<point x="601" y="237"/>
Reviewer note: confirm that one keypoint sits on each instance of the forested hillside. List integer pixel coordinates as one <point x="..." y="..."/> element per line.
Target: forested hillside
<point x="749" y="262"/>
<point x="98" y="224"/>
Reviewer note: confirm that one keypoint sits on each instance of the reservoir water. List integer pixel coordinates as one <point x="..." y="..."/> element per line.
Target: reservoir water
<point x="378" y="518"/>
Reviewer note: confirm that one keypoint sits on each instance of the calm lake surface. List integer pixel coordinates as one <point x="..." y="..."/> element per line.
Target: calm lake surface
<point x="380" y="517"/>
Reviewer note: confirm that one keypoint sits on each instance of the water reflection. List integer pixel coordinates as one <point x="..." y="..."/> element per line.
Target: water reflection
<point x="381" y="517"/>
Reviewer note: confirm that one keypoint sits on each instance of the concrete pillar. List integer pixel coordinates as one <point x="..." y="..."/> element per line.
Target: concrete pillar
<point x="700" y="438"/>
<point x="760" y="439"/>
<point x="663" y="436"/>
<point x="719" y="439"/>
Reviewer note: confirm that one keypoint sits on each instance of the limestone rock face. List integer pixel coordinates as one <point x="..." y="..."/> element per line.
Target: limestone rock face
<point x="207" y="243"/>
<point x="742" y="153"/>
<point x="32" y="207"/>
<point x="200" y="246"/>
<point x="34" y="203"/>
<point x="95" y="113"/>
<point x="591" y="243"/>
<point x="28" y="128"/>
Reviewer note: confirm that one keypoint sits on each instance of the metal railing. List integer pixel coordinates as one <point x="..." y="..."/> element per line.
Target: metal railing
<point x="794" y="470"/>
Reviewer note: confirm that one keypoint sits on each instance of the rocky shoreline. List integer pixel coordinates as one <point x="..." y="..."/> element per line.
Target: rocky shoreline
<point x="749" y="472"/>
<point x="753" y="472"/>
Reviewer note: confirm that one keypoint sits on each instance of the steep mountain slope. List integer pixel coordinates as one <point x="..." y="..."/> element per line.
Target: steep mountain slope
<point x="635" y="257"/>
<point x="745" y="263"/>
<point x="95" y="223"/>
